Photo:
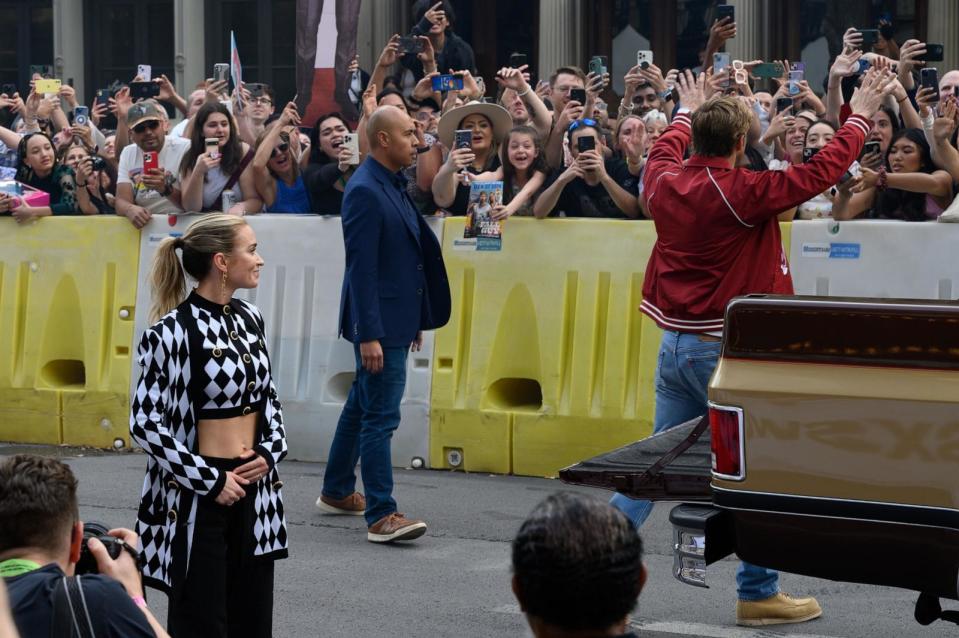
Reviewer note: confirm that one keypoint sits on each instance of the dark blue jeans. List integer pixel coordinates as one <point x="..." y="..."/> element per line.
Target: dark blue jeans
<point x="682" y="378"/>
<point x="366" y="425"/>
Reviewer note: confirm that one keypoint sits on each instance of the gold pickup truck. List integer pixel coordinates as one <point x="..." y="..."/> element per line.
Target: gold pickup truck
<point x="831" y="448"/>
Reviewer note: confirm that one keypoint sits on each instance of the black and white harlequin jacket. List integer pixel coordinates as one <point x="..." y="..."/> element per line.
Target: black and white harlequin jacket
<point x="201" y="360"/>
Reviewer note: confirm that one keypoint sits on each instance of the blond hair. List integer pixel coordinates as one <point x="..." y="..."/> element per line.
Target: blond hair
<point x="209" y="235"/>
<point x="717" y="126"/>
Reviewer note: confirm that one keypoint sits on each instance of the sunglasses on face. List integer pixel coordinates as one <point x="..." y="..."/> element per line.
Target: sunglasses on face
<point x="280" y="150"/>
<point x="143" y="126"/>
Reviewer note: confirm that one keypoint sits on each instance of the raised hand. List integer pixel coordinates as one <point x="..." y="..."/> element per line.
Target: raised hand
<point x="852" y="39"/>
<point x="721" y="31"/>
<point x="846" y="63"/>
<point x="390" y="53"/>
<point x="691" y="90"/>
<point x="945" y="125"/>
<point x="290" y="115"/>
<point x="875" y="86"/>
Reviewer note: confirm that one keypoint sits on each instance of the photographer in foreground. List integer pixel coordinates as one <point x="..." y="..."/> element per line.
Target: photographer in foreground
<point x="41" y="540"/>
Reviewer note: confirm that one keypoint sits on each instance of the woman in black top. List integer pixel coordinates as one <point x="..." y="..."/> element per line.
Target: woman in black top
<point x="205" y="411"/>
<point x="330" y="167"/>
<point x="489" y="124"/>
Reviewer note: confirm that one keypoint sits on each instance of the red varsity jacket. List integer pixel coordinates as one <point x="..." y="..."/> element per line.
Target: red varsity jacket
<point x="717" y="233"/>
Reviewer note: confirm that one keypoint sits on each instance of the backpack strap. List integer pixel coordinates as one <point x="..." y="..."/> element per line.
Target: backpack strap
<point x="70" y="614"/>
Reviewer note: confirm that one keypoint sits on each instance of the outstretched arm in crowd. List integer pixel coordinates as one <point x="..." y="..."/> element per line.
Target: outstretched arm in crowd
<point x="850" y="203"/>
<point x="667" y="154"/>
<point x="554" y="145"/>
<point x="265" y="184"/>
<point x="721" y="31"/>
<point x="593" y="162"/>
<point x="548" y="199"/>
<point x="450" y="174"/>
<point x="244" y="125"/>
<point x="427" y="163"/>
<point x="367" y="106"/>
<point x="939" y="130"/>
<point x="388" y="57"/>
<point x="845" y="65"/>
<point x="518" y="81"/>
<point x="120" y="105"/>
<point x="169" y="95"/>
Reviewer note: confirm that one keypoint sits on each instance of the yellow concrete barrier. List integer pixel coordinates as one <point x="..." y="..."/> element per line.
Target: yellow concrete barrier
<point x="67" y="299"/>
<point x="546" y="359"/>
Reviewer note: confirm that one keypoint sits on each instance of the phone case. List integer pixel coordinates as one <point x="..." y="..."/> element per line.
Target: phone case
<point x="463" y="139"/>
<point x="145" y="72"/>
<point x="150" y="161"/>
<point x="47" y="86"/>
<point x="221" y="72"/>
<point x="352" y="142"/>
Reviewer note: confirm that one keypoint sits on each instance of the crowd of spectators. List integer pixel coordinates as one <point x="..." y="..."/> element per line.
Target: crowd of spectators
<point x="555" y="143"/>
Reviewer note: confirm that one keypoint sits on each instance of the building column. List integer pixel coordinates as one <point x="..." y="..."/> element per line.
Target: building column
<point x="387" y="18"/>
<point x="190" y="59"/>
<point x="560" y="35"/>
<point x="943" y="28"/>
<point x="749" y="42"/>
<point x="68" y="45"/>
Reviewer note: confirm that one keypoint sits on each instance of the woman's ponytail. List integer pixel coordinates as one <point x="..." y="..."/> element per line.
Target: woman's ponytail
<point x="166" y="278"/>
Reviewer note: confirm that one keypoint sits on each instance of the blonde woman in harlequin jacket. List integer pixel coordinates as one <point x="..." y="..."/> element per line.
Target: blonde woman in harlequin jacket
<point x="206" y="412"/>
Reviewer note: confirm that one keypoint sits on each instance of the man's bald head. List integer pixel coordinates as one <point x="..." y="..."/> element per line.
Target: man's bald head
<point x="949" y="82"/>
<point x="385" y="118"/>
<point x="392" y="137"/>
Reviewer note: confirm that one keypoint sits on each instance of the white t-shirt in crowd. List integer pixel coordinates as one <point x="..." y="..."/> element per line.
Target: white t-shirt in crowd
<point x="131" y="166"/>
<point x="180" y="128"/>
<point x="820" y="206"/>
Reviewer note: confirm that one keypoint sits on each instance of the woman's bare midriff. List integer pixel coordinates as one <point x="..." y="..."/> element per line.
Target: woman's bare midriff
<point x="226" y="438"/>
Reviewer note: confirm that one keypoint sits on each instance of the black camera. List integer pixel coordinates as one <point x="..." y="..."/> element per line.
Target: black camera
<point x="98" y="163"/>
<point x="87" y="563"/>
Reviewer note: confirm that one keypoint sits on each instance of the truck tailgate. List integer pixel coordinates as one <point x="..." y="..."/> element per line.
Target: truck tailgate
<point x="627" y="469"/>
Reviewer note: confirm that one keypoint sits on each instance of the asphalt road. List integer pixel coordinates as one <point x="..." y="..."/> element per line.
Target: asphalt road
<point x="455" y="581"/>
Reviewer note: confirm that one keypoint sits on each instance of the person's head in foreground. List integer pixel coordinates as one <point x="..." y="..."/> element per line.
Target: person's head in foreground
<point x="577" y="568"/>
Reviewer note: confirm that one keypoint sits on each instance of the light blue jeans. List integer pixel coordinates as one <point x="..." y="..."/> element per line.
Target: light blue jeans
<point x="682" y="377"/>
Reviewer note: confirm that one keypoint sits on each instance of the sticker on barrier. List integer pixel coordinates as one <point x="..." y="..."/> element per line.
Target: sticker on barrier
<point x="886" y="259"/>
<point x="299" y="297"/>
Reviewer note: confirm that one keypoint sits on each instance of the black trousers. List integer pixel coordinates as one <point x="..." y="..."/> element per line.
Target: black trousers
<point x="227" y="592"/>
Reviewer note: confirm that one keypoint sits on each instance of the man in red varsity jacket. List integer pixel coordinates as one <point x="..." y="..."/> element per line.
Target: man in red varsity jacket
<point x="718" y="238"/>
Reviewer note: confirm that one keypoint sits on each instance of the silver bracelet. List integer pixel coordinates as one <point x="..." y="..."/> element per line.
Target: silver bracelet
<point x="523" y="94"/>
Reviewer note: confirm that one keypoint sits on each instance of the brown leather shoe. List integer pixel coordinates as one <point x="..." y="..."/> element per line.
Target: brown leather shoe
<point x="352" y="505"/>
<point x="395" y="527"/>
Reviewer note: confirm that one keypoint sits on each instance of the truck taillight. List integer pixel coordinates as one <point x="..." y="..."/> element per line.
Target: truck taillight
<point x="727" y="434"/>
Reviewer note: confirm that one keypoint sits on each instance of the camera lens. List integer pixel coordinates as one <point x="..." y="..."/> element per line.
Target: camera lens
<point x="87" y="563"/>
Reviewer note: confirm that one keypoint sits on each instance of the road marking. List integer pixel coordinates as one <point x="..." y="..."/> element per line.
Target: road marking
<point x="715" y="631"/>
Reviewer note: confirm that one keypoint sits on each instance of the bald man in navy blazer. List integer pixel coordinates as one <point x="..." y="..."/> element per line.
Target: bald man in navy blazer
<point x="395" y="287"/>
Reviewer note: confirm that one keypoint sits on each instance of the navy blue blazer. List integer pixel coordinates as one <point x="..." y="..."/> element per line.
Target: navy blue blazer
<point x="395" y="282"/>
